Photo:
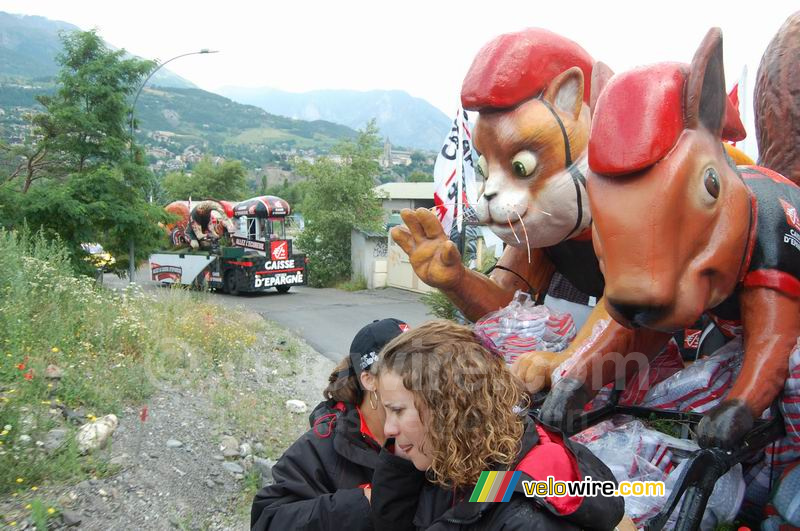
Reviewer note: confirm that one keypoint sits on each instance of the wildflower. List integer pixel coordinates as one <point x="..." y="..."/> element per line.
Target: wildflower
<point x="13" y="524"/>
<point x="29" y="375"/>
<point x="20" y="480"/>
<point x="50" y="510"/>
<point x="28" y="506"/>
<point x="91" y="417"/>
<point x="21" y="366"/>
<point x="54" y="349"/>
<point x="34" y="488"/>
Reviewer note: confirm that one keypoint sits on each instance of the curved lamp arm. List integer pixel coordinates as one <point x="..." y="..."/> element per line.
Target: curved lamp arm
<point x="152" y="72"/>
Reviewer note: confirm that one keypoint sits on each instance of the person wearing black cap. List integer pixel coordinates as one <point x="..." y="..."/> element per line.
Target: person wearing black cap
<point x="323" y="481"/>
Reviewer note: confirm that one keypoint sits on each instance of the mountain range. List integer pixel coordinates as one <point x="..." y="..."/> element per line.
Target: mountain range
<point x="29" y="46"/>
<point x="172" y="115"/>
<point x="403" y="119"/>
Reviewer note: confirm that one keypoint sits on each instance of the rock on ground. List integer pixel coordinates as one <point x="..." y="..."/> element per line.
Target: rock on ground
<point x="152" y="485"/>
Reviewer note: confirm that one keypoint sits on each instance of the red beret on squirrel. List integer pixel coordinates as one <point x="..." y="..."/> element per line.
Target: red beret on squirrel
<point x="640" y="116"/>
<point x="515" y="67"/>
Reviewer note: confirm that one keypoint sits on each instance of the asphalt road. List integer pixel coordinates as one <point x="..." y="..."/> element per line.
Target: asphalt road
<point x="326" y="318"/>
<point x="329" y="318"/>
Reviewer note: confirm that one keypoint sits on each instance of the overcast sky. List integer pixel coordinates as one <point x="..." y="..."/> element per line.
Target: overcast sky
<point x="422" y="47"/>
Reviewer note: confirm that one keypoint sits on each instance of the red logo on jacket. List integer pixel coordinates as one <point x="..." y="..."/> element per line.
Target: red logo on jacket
<point x="791" y="214"/>
<point x="692" y="339"/>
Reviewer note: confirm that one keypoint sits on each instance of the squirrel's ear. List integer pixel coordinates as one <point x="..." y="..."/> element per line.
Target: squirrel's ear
<point x="705" y="87"/>
<point x="565" y="92"/>
<point x="601" y="73"/>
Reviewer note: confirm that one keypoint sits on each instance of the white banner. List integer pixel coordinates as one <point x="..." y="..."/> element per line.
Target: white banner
<point x="455" y="190"/>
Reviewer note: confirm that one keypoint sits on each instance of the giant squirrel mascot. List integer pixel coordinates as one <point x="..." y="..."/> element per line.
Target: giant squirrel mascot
<point x="531" y="90"/>
<point x="680" y="230"/>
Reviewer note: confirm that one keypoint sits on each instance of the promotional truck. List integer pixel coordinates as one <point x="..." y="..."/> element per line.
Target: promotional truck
<point x="260" y="256"/>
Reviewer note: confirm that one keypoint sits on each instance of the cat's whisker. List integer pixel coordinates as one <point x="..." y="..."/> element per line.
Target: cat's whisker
<point x="512" y="227"/>
<point x="525" y="231"/>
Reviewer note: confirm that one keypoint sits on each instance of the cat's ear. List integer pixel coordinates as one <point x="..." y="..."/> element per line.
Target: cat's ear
<point x="565" y="92"/>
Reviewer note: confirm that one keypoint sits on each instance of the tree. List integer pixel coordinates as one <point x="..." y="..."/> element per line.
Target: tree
<point x="177" y="185"/>
<point x="293" y="193"/>
<point x="227" y="180"/>
<point x="32" y="160"/>
<point x="87" y="116"/>
<point x="99" y="207"/>
<point x="94" y="193"/>
<point x="339" y="198"/>
<point x="419" y="177"/>
<point x="417" y="159"/>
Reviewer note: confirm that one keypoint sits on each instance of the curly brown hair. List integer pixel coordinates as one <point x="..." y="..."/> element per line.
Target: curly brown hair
<point x="467" y="399"/>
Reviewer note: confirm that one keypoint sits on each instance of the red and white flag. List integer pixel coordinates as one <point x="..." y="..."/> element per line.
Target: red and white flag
<point x="455" y="191"/>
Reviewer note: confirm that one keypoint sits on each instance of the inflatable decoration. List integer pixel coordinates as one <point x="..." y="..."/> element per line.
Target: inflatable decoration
<point x="199" y="222"/>
<point x="531" y="90"/>
<point x="679" y="230"/>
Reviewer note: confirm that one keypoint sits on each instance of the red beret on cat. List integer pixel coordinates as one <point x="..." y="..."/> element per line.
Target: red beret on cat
<point x="515" y="67"/>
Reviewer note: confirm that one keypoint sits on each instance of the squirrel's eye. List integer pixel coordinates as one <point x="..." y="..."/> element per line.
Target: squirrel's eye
<point x="711" y="180"/>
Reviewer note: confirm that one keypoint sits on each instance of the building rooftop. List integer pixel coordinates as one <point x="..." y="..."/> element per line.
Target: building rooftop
<point x="405" y="190"/>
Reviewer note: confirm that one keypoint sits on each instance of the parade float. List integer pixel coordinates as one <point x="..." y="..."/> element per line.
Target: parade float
<point x="232" y="247"/>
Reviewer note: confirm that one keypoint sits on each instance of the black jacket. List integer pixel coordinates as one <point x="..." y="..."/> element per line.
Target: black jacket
<point x="317" y="481"/>
<point x="402" y="499"/>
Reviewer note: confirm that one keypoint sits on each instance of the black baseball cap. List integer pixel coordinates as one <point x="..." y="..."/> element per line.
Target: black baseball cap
<point x="371" y="339"/>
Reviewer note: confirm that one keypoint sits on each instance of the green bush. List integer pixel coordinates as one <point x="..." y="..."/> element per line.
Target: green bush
<point x="356" y="284"/>
<point x="114" y="348"/>
<point x="339" y="198"/>
<point x="439" y="306"/>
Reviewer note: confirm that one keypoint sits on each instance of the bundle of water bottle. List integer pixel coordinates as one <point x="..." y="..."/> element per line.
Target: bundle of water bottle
<point x="522" y="327"/>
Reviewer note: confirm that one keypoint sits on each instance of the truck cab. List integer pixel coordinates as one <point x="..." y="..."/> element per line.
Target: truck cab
<point x="261" y="229"/>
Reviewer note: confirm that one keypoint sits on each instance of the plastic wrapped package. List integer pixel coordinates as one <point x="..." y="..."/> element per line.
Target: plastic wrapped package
<point x="724" y="502"/>
<point x="634" y="452"/>
<point x="584" y="347"/>
<point x="702" y="385"/>
<point x="523" y="327"/>
<point x="785" y="501"/>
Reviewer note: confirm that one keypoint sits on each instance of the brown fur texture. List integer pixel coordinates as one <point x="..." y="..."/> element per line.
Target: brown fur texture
<point x="777" y="102"/>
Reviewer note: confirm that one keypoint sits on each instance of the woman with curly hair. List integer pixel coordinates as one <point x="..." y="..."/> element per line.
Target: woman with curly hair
<point x="453" y="411"/>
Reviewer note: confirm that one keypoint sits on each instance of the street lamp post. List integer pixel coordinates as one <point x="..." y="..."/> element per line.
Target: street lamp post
<point x="132" y="263"/>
